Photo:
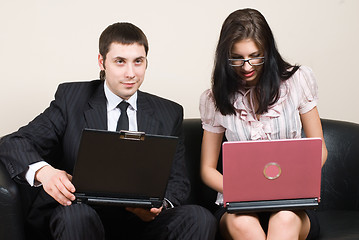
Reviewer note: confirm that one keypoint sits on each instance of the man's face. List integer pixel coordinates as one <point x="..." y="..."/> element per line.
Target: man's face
<point x="125" y="68"/>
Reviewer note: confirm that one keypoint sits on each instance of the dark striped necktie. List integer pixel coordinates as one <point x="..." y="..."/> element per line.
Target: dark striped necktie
<point x="122" y="123"/>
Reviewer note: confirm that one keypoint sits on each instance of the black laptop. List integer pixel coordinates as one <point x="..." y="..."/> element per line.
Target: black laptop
<point x="129" y="169"/>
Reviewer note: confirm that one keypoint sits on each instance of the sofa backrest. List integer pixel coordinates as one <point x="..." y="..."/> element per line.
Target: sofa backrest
<point x="200" y="193"/>
<point x="340" y="174"/>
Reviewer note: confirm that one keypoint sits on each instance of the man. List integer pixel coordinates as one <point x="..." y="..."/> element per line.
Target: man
<point x="43" y="153"/>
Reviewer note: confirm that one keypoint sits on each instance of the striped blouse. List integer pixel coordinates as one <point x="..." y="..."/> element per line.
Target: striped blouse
<point x="298" y="95"/>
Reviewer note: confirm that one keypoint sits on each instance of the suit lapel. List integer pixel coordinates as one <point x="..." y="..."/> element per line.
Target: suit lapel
<point x="146" y="120"/>
<point x="96" y="114"/>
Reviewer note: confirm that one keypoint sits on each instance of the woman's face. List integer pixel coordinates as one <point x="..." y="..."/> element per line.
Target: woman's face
<point x="244" y="50"/>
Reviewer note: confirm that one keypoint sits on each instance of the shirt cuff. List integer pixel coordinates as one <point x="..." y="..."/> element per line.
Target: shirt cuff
<point x="30" y="174"/>
<point x="167" y="204"/>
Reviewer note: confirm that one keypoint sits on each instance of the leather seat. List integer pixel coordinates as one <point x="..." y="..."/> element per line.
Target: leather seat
<point x="339" y="208"/>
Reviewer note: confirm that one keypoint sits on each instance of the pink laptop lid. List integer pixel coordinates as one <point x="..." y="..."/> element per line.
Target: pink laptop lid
<point x="271" y="170"/>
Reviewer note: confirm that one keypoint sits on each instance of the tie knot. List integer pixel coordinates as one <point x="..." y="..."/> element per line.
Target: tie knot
<point x="123" y="106"/>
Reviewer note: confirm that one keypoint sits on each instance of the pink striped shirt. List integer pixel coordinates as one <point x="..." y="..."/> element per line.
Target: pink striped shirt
<point x="298" y="95"/>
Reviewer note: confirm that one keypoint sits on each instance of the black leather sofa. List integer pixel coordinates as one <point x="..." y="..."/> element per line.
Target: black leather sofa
<point x="339" y="208"/>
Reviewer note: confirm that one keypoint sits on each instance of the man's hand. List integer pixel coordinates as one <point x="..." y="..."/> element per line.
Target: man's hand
<point x="57" y="184"/>
<point x="145" y="214"/>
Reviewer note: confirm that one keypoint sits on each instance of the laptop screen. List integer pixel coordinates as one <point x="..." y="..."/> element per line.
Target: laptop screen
<point x="112" y="166"/>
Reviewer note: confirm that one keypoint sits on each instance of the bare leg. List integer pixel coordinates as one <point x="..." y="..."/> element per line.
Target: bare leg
<point x="288" y="225"/>
<point x="243" y="227"/>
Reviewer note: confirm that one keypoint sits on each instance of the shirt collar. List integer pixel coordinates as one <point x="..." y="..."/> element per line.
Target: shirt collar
<point x="113" y="100"/>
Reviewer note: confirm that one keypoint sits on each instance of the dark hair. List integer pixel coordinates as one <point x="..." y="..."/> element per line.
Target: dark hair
<point x="124" y="33"/>
<point x="248" y="24"/>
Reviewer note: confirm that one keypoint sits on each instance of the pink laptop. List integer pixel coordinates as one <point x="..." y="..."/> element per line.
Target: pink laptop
<point x="271" y="175"/>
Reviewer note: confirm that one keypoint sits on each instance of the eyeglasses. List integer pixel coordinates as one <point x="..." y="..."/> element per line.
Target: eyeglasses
<point x="252" y="61"/>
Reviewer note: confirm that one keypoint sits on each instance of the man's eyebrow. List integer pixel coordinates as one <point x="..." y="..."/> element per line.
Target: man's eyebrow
<point x="119" y="58"/>
<point x="123" y="58"/>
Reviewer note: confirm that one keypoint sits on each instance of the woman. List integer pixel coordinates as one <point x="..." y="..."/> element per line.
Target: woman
<point x="256" y="95"/>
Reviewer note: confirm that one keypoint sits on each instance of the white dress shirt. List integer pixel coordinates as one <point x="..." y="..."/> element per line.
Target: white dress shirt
<point x="113" y="112"/>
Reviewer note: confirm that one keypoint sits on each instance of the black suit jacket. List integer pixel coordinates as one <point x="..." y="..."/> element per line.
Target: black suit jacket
<point x="55" y="134"/>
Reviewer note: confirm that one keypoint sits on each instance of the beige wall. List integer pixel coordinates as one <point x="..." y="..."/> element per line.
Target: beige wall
<point x="46" y="42"/>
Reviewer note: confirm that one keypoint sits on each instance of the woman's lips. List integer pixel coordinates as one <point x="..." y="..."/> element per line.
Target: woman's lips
<point x="248" y="75"/>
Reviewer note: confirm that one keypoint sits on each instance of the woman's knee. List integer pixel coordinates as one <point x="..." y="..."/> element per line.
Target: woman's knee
<point x="242" y="224"/>
<point x="287" y="219"/>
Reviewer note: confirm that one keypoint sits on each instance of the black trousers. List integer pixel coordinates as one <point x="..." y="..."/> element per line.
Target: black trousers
<point x="80" y="221"/>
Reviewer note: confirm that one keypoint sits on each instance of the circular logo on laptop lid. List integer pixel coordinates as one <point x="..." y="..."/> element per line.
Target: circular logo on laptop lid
<point x="272" y="170"/>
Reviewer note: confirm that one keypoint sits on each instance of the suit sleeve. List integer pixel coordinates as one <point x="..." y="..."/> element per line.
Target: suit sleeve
<point x="33" y="142"/>
<point x="178" y="186"/>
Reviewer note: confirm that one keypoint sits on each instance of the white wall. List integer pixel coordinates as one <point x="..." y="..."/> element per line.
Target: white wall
<point x="46" y="42"/>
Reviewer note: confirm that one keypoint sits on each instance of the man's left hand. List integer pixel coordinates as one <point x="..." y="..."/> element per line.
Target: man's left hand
<point x="145" y="214"/>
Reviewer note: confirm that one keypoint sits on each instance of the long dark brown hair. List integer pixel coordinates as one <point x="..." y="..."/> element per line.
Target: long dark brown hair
<point x="248" y="24"/>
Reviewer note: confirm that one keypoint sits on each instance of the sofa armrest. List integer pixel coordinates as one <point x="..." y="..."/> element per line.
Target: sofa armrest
<point x="340" y="178"/>
<point x="338" y="225"/>
<point x="11" y="222"/>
